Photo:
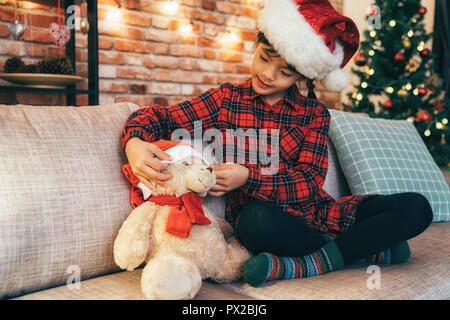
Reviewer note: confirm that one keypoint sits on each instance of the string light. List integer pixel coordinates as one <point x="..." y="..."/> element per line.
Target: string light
<point x="115" y="15"/>
<point x="229" y="36"/>
<point x="371" y="53"/>
<point x="439" y="125"/>
<point x="170" y="7"/>
<point x="186" y="29"/>
<point x="427" y="133"/>
<point x="389" y="90"/>
<point x="410" y="33"/>
<point x="416" y="92"/>
<point x="421" y="46"/>
<point x="373" y="33"/>
<point x="444" y="121"/>
<point x="408" y="86"/>
<point x="392" y="23"/>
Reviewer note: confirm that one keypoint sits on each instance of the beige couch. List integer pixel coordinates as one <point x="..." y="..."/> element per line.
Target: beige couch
<point x="63" y="198"/>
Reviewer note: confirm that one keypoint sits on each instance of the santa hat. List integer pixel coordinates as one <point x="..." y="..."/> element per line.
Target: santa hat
<point x="178" y="151"/>
<point x="311" y="36"/>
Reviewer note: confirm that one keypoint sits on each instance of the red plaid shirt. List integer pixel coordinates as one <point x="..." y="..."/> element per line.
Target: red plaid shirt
<point x="303" y="160"/>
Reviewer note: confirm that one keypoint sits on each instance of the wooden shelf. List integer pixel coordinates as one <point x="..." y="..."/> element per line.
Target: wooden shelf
<point x="54" y="3"/>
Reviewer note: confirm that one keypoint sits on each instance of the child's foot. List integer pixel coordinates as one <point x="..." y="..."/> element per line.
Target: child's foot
<point x="397" y="254"/>
<point x="266" y="266"/>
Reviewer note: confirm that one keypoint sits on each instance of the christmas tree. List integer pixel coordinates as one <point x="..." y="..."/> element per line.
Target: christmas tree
<point x="396" y="78"/>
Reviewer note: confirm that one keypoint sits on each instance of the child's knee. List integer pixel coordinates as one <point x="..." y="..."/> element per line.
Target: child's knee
<point x="421" y="212"/>
<point x="253" y="225"/>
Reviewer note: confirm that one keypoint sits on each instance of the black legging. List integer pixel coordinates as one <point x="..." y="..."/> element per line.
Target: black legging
<point x="381" y="222"/>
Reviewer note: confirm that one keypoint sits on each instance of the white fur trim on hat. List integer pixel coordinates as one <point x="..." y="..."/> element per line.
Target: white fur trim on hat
<point x="177" y="153"/>
<point x="336" y="80"/>
<point x="181" y="152"/>
<point x="298" y="43"/>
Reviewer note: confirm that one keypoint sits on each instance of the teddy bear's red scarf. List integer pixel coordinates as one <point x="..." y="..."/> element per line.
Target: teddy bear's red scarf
<point x="186" y="210"/>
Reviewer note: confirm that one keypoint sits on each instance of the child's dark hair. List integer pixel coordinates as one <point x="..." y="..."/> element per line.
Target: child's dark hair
<point x="261" y="38"/>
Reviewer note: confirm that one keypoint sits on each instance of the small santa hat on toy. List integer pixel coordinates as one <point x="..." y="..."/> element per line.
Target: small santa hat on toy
<point x="311" y="36"/>
<point x="177" y="150"/>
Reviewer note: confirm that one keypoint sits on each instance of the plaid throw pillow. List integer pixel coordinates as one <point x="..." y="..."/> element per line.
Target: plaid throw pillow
<point x="387" y="156"/>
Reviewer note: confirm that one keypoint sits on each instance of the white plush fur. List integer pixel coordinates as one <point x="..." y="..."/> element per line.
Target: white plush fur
<point x="297" y="42"/>
<point x="176" y="266"/>
<point x="336" y="80"/>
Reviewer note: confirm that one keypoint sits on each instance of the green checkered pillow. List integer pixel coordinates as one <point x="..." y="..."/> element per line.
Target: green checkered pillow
<point x="387" y="156"/>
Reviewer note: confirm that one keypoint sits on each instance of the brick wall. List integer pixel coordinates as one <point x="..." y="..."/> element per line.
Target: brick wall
<point x="148" y="55"/>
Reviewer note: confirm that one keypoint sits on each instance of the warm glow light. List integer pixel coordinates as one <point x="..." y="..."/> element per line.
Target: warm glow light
<point x="410" y="33"/>
<point x="373" y="33"/>
<point x="371" y="72"/>
<point x="114" y="15"/>
<point x="444" y="121"/>
<point x="416" y="92"/>
<point x="229" y="36"/>
<point x="427" y="133"/>
<point x="392" y="23"/>
<point x="185" y="29"/>
<point x="408" y="86"/>
<point x="170" y="7"/>
<point x="371" y="53"/>
<point x="389" y="90"/>
<point x="359" y="97"/>
<point x="364" y="85"/>
<point x="421" y="46"/>
<point x="439" y="125"/>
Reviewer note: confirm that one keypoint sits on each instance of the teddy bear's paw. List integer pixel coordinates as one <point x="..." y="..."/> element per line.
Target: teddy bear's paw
<point x="130" y="250"/>
<point x="170" y="277"/>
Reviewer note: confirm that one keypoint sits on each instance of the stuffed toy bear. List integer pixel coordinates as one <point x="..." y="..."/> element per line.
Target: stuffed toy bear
<point x="180" y="240"/>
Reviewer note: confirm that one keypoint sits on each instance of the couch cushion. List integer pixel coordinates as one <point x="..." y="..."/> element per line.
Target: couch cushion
<point x="380" y="156"/>
<point x="335" y="183"/>
<point x="63" y="196"/>
<point x="426" y="275"/>
<point x="122" y="286"/>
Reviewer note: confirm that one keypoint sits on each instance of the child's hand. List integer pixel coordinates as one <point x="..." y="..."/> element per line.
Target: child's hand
<point x="229" y="176"/>
<point x="142" y="157"/>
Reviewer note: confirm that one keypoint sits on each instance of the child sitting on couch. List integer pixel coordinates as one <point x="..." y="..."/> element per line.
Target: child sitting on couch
<point x="295" y="228"/>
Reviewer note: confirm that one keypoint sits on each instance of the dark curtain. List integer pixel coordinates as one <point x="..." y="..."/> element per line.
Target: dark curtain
<point x="441" y="43"/>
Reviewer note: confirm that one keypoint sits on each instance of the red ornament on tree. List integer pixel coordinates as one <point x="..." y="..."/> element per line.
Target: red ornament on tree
<point x="424" y="116"/>
<point x="422" y="10"/>
<point x="424" y="53"/>
<point x="399" y="57"/>
<point x="387" y="104"/>
<point x="423" y="91"/>
<point x="373" y="11"/>
<point x="360" y="59"/>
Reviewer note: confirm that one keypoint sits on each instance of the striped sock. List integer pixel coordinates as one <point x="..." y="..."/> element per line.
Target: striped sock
<point x="266" y="266"/>
<point x="397" y="254"/>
